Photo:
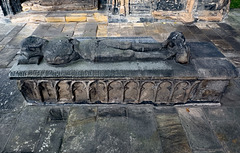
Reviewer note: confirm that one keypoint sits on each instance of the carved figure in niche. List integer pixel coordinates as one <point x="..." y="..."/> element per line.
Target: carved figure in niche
<point x="48" y="91"/>
<point x="64" y="91"/>
<point x="210" y="90"/>
<point x="131" y="92"/>
<point x="147" y="92"/>
<point x="65" y="50"/>
<point x="97" y="92"/>
<point x="180" y="92"/>
<point x="164" y="91"/>
<point x="115" y="91"/>
<point x="29" y="90"/>
<point x="79" y="92"/>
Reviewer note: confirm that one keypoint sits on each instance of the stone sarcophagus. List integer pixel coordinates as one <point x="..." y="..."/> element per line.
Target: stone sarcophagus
<point x="121" y="70"/>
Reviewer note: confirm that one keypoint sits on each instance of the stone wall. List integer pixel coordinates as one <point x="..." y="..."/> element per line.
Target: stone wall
<point x="178" y="10"/>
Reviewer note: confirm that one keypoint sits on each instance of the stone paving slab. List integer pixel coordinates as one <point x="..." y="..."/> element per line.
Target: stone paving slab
<point x="172" y="135"/>
<point x="197" y="129"/>
<point x="52" y="135"/>
<point x="80" y="130"/>
<point x="228" y="135"/>
<point x="30" y="124"/>
<point x="7" y="55"/>
<point x="112" y="130"/>
<point x="10" y="97"/>
<point x="142" y="129"/>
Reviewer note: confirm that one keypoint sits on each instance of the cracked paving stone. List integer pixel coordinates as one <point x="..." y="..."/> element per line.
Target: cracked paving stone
<point x="52" y="134"/>
<point x="26" y="134"/>
<point x="171" y="132"/>
<point x="80" y="130"/>
<point x="198" y="130"/>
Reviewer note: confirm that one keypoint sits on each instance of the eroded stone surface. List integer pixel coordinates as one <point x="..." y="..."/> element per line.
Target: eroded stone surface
<point x="80" y="130"/>
<point x="61" y="51"/>
<point x="143" y="137"/>
<point x="227" y="134"/>
<point x="172" y="134"/>
<point x="196" y="126"/>
<point x="30" y="124"/>
<point x="157" y="91"/>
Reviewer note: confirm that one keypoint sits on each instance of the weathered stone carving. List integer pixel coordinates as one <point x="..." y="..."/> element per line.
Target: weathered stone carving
<point x="147" y="92"/>
<point x="98" y="91"/>
<point x="164" y="91"/>
<point x="64" y="91"/>
<point x="115" y="90"/>
<point x="60" y="51"/>
<point x="122" y="91"/>
<point x="204" y="79"/>
<point x="80" y="92"/>
<point x="131" y="92"/>
<point x="31" y="50"/>
<point x="48" y="91"/>
<point x="65" y="50"/>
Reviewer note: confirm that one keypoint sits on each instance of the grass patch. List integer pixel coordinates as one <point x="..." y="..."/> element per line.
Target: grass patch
<point x="235" y="4"/>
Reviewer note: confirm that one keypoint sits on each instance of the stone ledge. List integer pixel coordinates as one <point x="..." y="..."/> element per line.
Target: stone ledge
<point x="55" y="18"/>
<point x="76" y="17"/>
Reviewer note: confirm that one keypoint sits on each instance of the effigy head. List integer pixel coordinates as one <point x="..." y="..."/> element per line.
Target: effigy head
<point x="60" y="51"/>
<point x="31" y="50"/>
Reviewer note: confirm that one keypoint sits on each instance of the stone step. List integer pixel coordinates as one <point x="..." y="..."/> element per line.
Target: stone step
<point x="62" y="16"/>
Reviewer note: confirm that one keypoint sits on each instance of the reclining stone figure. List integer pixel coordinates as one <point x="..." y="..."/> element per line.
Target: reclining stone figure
<point x="64" y="50"/>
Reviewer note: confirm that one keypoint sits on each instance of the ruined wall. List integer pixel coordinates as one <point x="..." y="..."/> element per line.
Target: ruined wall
<point x="179" y="10"/>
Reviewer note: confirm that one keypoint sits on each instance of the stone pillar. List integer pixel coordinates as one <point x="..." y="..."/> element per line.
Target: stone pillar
<point x="10" y="6"/>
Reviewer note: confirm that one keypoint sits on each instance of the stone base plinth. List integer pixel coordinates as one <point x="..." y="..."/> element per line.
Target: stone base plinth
<point x="204" y="79"/>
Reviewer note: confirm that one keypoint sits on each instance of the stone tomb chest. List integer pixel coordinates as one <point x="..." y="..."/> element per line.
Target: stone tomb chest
<point x="203" y="79"/>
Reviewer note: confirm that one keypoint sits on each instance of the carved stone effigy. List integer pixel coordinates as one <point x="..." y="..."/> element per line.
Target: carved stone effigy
<point x="121" y="70"/>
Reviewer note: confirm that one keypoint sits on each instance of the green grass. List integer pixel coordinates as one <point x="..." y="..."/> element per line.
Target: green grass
<point x="235" y="4"/>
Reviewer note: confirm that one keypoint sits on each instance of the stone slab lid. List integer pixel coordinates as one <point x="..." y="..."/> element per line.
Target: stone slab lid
<point x="206" y="63"/>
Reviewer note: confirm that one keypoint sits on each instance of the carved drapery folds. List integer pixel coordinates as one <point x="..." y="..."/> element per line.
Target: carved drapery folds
<point x="122" y="91"/>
